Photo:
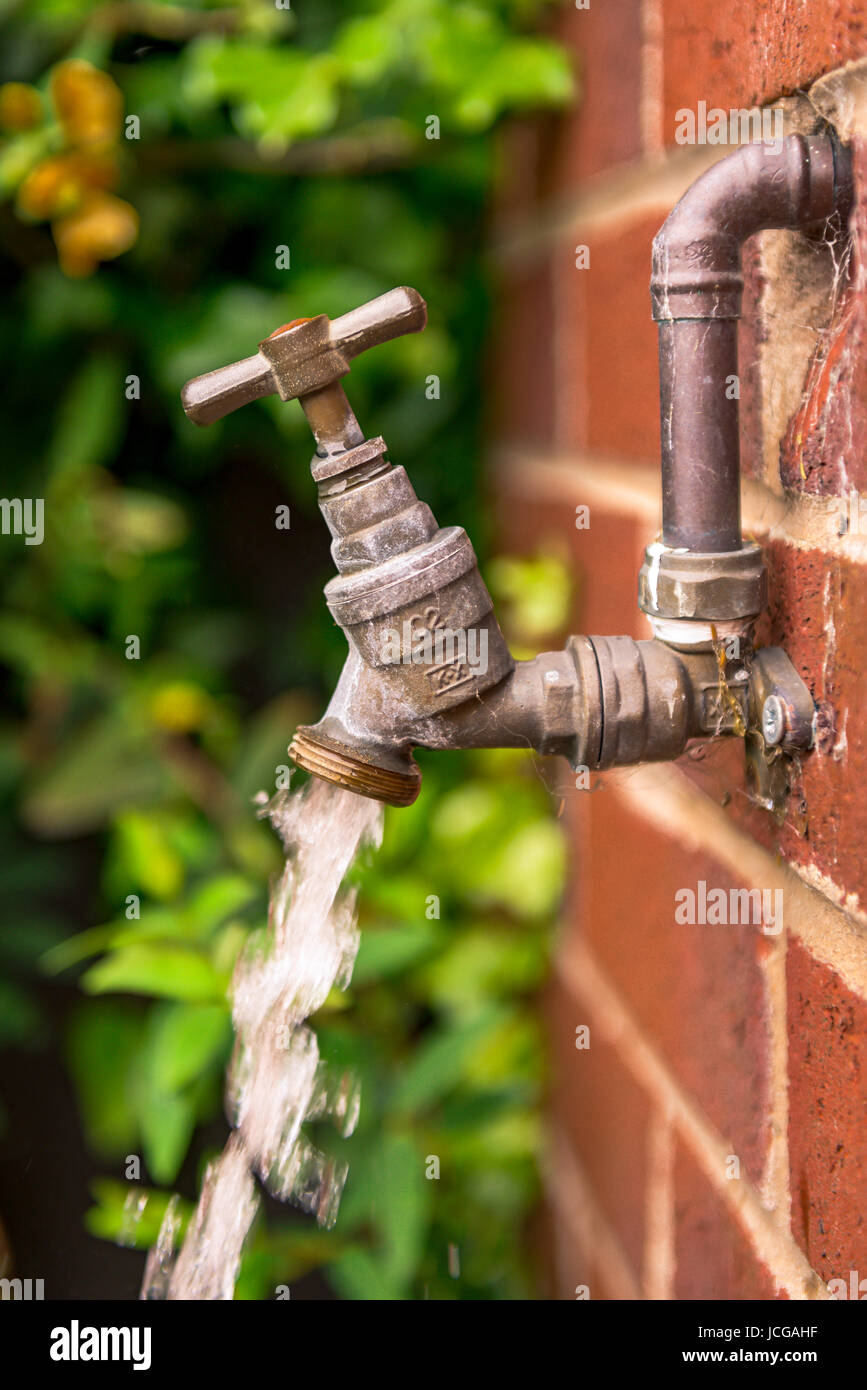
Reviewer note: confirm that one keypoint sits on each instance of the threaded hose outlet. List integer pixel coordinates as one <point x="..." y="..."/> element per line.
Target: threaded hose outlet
<point x="383" y="777"/>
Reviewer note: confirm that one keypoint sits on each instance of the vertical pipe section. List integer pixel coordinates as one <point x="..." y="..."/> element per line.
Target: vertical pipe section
<point x="696" y="290"/>
<point x="701" y="498"/>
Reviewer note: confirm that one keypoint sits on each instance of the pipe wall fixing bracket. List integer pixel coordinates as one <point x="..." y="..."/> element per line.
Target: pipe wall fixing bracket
<point x="782" y="724"/>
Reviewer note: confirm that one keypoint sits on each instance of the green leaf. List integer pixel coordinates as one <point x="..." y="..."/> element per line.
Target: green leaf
<point x="134" y="522"/>
<point x="278" y="93"/>
<point x="534" y="592"/>
<point x="130" y="1214"/>
<point x="366" y="48"/>
<point x="308" y="107"/>
<point x="76" y="948"/>
<point x="151" y="861"/>
<point x="390" y="1196"/>
<point x="185" y="1040"/>
<point x="438" y="1063"/>
<point x="526" y="876"/>
<point x="273" y="1257"/>
<point x="167" y="1123"/>
<point x="102" y="1044"/>
<point x="468" y="810"/>
<point x="482" y="963"/>
<point x="402" y="1213"/>
<point x="511" y="1054"/>
<point x="502" y="850"/>
<point x="387" y="952"/>
<point x="218" y="68"/>
<point x="512" y="1139"/>
<point x="360" y="1276"/>
<point x="90" y="418"/>
<point x="18" y="156"/>
<point x="176" y="1066"/>
<point x="216" y="899"/>
<point x="402" y="897"/>
<point x="520" y="74"/>
<point x="170" y="972"/>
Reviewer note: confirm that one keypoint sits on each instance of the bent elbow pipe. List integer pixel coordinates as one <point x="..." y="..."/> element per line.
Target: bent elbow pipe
<point x="696" y="291"/>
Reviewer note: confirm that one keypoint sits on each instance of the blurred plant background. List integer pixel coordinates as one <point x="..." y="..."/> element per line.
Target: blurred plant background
<point x="176" y="181"/>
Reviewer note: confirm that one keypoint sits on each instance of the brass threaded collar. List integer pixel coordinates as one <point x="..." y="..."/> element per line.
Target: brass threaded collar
<point x="334" y="763"/>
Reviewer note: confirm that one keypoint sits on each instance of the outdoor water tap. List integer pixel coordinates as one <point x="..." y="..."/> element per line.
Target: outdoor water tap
<point x="428" y="665"/>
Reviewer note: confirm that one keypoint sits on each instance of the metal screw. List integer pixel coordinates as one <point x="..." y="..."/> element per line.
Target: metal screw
<point x="773" y="720"/>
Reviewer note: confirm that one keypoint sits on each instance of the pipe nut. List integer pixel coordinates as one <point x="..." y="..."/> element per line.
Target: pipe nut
<point x="706" y="586"/>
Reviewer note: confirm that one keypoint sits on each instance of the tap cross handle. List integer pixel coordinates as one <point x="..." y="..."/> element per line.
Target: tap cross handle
<point x="304" y="356"/>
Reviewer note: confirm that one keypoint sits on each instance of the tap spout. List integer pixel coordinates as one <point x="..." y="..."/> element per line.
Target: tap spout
<point x="600" y="702"/>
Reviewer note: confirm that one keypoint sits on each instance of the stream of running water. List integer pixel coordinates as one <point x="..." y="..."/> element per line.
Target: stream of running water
<point x="276" y="1079"/>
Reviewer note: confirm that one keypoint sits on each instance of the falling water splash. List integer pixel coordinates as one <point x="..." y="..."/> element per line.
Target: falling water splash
<point x="276" y="1079"/>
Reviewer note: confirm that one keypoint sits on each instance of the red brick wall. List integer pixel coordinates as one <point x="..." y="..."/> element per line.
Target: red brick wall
<point x="712" y="1140"/>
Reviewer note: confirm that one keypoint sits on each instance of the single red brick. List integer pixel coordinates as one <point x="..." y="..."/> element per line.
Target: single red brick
<point x="607" y="557"/>
<point x="544" y="1234"/>
<point x="604" y="1112"/>
<point x="521" y="405"/>
<point x="744" y="54"/>
<point x="572" y="1265"/>
<point x="603" y="128"/>
<point x="718" y="769"/>
<point x="827" y="1112"/>
<point x="609" y="305"/>
<point x="519" y="152"/>
<point x="603" y="1289"/>
<point x="573" y="345"/>
<point x="713" y="1257"/>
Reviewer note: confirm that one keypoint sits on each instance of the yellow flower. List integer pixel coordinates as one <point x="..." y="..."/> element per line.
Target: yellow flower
<point x="58" y="184"/>
<point x="20" y="106"/>
<point x="89" y="104"/>
<point x="102" y="227"/>
<point x="72" y="189"/>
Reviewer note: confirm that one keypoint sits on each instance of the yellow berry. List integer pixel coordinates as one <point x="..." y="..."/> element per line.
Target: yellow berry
<point x="101" y="228"/>
<point x="88" y="103"/>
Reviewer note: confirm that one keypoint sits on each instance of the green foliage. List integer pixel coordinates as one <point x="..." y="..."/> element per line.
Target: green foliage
<point x="145" y="1077"/>
<point x="533" y="593"/>
<point x="440" y="1025"/>
<point x="130" y="1215"/>
<point x="461" y="59"/>
<point x="126" y="777"/>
